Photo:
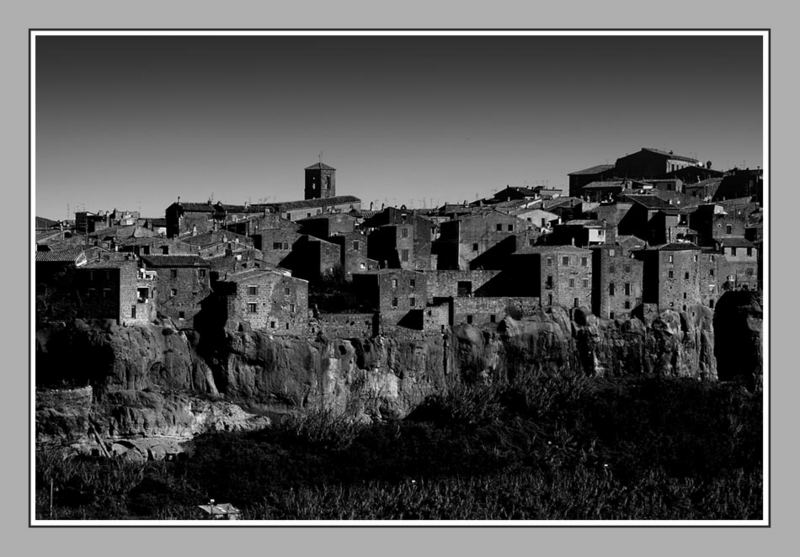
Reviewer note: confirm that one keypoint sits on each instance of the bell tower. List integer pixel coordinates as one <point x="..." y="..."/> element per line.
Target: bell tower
<point x="320" y="181"/>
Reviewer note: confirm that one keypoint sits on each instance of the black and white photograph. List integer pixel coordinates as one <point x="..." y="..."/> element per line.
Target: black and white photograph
<point x="408" y="277"/>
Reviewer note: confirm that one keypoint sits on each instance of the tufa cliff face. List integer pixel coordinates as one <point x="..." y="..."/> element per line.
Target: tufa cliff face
<point x="739" y="344"/>
<point x="154" y="380"/>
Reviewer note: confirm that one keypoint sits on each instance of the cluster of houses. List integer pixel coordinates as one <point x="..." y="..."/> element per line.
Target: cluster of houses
<point x="654" y="231"/>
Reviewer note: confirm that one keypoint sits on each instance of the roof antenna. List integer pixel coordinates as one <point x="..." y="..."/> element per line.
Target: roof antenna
<point x="320" y="157"/>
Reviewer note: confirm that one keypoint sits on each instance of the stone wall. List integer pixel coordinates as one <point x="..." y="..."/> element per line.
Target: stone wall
<point x="481" y="311"/>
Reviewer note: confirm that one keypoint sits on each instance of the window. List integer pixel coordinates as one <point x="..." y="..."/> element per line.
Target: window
<point x="202" y="273"/>
<point x="412" y="301"/>
<point x="164" y="250"/>
<point x="572" y="283"/>
<point x="711" y="272"/>
<point x="511" y="228"/>
<point x="394" y="302"/>
<point x="106" y="293"/>
<point x="733" y="251"/>
<point x="686" y="275"/>
<point x="695" y="259"/>
<point x="671" y="274"/>
<point x="728" y="229"/>
<point x="611" y="252"/>
<point x="287" y="291"/>
<point x="586" y="283"/>
<point x="549" y="261"/>
<point x="684" y="295"/>
<point x="549" y="282"/>
<point x="291" y="308"/>
<point x="627" y="268"/>
<point x="749" y="271"/>
<point x="412" y="283"/>
<point x="493" y="318"/>
<point x="181" y="315"/>
<point x="404" y="232"/>
<point x="499" y="227"/>
<point x="749" y="252"/>
<point x="308" y="214"/>
<point x="144" y="294"/>
<point x="584" y="261"/>
<point x="627" y="288"/>
<point x="711" y="303"/>
<point x="173" y="273"/>
<point x="252" y="290"/>
<point x="550" y="299"/>
<point x="173" y="292"/>
<point x="612" y="269"/>
<point x="286" y="245"/>
<point x="575" y="302"/>
<point x="611" y="315"/>
<point x="474" y="247"/>
<point x="288" y="216"/>
<point x="404" y="255"/>
<point x="565" y="260"/>
<point x="133" y="312"/>
<point x="356" y="245"/>
<point x="611" y="289"/>
<point x="469" y="319"/>
<point x="627" y="304"/>
<point x="252" y="307"/>
<point x="272" y="324"/>
<point x="394" y="283"/>
<point x="670" y="259"/>
<point x="277" y="245"/>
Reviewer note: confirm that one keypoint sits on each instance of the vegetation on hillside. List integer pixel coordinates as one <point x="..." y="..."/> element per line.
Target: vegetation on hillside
<point x="640" y="448"/>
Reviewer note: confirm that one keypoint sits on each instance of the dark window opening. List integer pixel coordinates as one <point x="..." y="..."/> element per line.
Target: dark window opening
<point x="627" y="304"/>
<point x="173" y="273"/>
<point x="202" y="273"/>
<point x="252" y="308"/>
<point x="272" y="324"/>
<point x="670" y="274"/>
<point x="575" y="302"/>
<point x="277" y="245"/>
<point x="164" y="250"/>
<point x="627" y="289"/>
<point x="404" y="232"/>
<point x="686" y="275"/>
<point x="584" y="261"/>
<point x="474" y="247"/>
<point x="181" y="315"/>
<point x="493" y="318"/>
<point x="499" y="227"/>
<point x="549" y="282"/>
<point x="173" y="292"/>
<point x="464" y="288"/>
<point x="404" y="255"/>
<point x="412" y="301"/>
<point x="565" y="260"/>
<point x="611" y="289"/>
<point x="572" y="283"/>
<point x="133" y="312"/>
<point x="394" y="302"/>
<point x="511" y="228"/>
<point x="252" y="290"/>
<point x="355" y="245"/>
<point x="469" y="319"/>
<point x="728" y="229"/>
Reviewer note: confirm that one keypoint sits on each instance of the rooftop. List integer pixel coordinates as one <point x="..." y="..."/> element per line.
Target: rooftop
<point x="601" y="184"/>
<point x="670" y="154"/>
<point x="174" y="261"/>
<point x="676" y="246"/>
<point x="321" y="202"/>
<point x="320" y="166"/>
<point x="648" y="201"/>
<point x="735" y="243"/>
<point x="592" y="170"/>
<point x="65" y="255"/>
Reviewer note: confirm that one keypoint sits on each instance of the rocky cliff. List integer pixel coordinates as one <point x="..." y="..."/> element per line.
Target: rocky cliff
<point x="151" y="380"/>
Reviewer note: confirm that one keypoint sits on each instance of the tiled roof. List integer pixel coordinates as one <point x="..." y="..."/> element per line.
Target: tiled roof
<point x="735" y="243"/>
<point x="62" y="256"/>
<point x="42" y="222"/>
<point x="551" y="248"/>
<point x="214" y="237"/>
<point x="314" y="203"/>
<point x="672" y="156"/>
<point x="320" y="166"/>
<point x="592" y="170"/>
<point x="676" y="246"/>
<point x="604" y="185"/>
<point x="174" y="261"/>
<point x="648" y="201"/>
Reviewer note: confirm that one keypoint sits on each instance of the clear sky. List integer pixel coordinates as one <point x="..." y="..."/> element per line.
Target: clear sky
<point x="134" y="122"/>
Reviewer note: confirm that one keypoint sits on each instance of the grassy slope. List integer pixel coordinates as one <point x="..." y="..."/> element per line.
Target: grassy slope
<point x="546" y="449"/>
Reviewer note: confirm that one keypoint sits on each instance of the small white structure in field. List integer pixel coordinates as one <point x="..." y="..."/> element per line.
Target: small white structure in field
<point x="221" y="511"/>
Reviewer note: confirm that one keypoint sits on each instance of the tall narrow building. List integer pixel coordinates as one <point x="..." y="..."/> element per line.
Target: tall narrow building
<point x="320" y="181"/>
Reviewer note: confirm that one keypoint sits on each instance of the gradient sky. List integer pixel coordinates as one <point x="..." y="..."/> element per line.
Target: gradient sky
<point x="134" y="122"/>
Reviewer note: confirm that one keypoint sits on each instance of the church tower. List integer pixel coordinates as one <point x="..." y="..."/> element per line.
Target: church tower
<point x="320" y="181"/>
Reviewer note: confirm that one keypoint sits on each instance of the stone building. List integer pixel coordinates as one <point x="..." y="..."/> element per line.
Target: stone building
<point x="651" y="163"/>
<point x="616" y="281"/>
<point x="445" y="284"/>
<point x="741" y="258"/>
<point x="401" y="238"/>
<point x="320" y="181"/>
<point x="198" y="218"/>
<point x="218" y="242"/>
<point x="326" y="225"/>
<point x="483" y="311"/>
<point x="116" y="289"/>
<point x="353" y="251"/>
<point x="672" y="276"/>
<point x="557" y="275"/>
<point x="183" y="283"/>
<point x="580" y="178"/>
<point x="483" y="239"/>
<point x="716" y="221"/>
<point x="297" y="210"/>
<point x="393" y="293"/>
<point x="262" y="299"/>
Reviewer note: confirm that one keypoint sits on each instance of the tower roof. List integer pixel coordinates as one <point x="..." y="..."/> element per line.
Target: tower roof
<point x="320" y="166"/>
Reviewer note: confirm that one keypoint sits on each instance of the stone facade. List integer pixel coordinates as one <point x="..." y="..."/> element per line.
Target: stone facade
<point x="480" y="240"/>
<point x="392" y="292"/>
<point x="616" y="281"/>
<point x="672" y="276"/>
<point x="451" y="284"/>
<point x="183" y="282"/>
<point x="264" y="299"/>
<point x="558" y="275"/>
<point x="116" y="290"/>
<point x="320" y="181"/>
<point x="482" y="311"/>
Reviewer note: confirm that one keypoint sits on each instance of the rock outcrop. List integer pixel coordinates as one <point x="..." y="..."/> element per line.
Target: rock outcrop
<point x="153" y="380"/>
<point x="739" y="344"/>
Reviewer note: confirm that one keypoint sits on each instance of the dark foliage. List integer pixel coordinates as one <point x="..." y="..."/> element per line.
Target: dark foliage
<point x="540" y="449"/>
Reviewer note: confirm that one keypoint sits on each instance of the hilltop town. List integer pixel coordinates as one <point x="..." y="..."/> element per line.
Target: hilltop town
<point x="655" y="231"/>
